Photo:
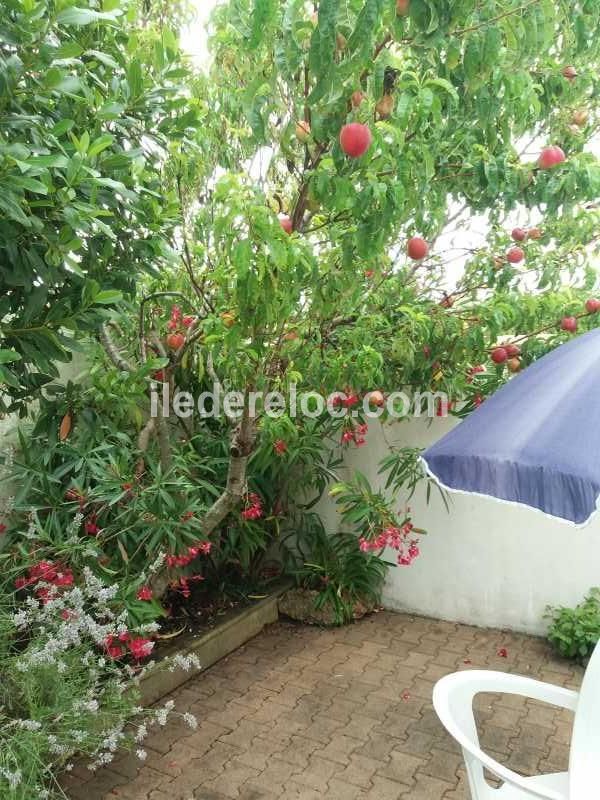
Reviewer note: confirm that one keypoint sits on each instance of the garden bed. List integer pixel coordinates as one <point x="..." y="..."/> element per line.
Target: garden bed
<point x="236" y="627"/>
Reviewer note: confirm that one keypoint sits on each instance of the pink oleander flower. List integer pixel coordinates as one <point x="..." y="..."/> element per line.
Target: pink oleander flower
<point x="140" y="647"/>
<point x="144" y="593"/>
<point x="280" y="447"/>
<point x="253" y="508"/>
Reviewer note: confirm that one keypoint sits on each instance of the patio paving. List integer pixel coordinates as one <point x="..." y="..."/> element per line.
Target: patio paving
<point x="344" y="714"/>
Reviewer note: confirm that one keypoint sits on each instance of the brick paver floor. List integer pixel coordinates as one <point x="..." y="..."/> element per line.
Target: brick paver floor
<point x="344" y="714"/>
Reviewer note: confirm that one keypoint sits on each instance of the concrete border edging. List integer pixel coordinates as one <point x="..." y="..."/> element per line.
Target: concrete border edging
<point x="211" y="647"/>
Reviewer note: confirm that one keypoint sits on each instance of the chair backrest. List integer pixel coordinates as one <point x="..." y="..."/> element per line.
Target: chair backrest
<point x="584" y="759"/>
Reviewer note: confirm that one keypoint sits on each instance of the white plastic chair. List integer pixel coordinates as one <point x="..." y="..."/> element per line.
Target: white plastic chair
<point x="453" y="702"/>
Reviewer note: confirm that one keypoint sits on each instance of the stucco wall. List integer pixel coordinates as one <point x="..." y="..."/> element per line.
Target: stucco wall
<point x="484" y="563"/>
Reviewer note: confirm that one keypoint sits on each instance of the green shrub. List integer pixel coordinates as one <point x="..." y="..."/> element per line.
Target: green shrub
<point x="69" y="667"/>
<point x="343" y="575"/>
<point x="574" y="632"/>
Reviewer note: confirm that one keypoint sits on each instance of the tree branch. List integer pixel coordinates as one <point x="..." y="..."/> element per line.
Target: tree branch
<point x="112" y="350"/>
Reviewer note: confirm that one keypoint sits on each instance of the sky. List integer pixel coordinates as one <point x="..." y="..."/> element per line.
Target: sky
<point x="194" y="38"/>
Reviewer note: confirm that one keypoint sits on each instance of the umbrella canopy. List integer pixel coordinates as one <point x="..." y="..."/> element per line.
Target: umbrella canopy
<point x="536" y="441"/>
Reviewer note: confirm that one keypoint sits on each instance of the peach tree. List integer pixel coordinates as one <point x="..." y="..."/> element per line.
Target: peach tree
<point x="346" y="140"/>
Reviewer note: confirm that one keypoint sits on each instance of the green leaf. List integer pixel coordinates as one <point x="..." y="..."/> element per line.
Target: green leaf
<point x="100" y="144"/>
<point x="84" y="16"/>
<point x="108" y="297"/>
<point x="8" y="356"/>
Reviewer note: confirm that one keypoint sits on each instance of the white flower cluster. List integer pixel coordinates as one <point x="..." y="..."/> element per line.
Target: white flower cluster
<point x="77" y="621"/>
<point x="13" y="778"/>
<point x="184" y="662"/>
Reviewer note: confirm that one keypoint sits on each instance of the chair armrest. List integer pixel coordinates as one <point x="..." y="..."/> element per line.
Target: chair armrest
<point x="529" y="785"/>
<point x="453" y="702"/>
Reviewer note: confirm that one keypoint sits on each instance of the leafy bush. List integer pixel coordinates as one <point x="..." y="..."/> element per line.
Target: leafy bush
<point x="343" y="575"/>
<point x="90" y="107"/>
<point x="574" y="632"/>
<point x="69" y="667"/>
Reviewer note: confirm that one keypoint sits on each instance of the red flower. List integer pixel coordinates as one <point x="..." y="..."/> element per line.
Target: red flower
<point x="2" y="528"/>
<point x="144" y="593"/>
<point x="64" y="578"/>
<point x="188" y="321"/>
<point x="113" y="649"/>
<point x="503" y="652"/>
<point x="351" y="400"/>
<point x="253" y="508"/>
<point x="90" y="526"/>
<point x="45" y="594"/>
<point x="280" y="447"/>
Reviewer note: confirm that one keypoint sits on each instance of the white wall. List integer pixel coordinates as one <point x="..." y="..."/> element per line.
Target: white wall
<point x="484" y="563"/>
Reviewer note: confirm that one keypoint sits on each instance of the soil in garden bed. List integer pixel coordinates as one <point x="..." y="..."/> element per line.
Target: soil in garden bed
<point x="203" y="609"/>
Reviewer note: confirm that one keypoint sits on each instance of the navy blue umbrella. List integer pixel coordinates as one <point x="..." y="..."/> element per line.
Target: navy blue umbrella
<point x="536" y="441"/>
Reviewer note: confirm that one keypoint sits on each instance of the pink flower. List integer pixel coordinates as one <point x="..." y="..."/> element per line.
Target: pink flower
<point x="45" y="594"/>
<point x="140" y="647"/>
<point x="90" y="526"/>
<point x="2" y="528"/>
<point x="188" y="321"/>
<point x="351" y="400"/>
<point x="280" y="447"/>
<point x="253" y="508"/>
<point x="113" y="649"/>
<point x="64" y="578"/>
<point x="503" y="652"/>
<point x="205" y="547"/>
<point x="347" y="436"/>
<point x="144" y="593"/>
<point x="364" y="545"/>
